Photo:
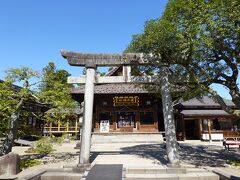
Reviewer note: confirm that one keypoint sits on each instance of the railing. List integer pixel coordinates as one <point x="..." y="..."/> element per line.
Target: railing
<point x="226" y="133"/>
<point x="61" y="129"/>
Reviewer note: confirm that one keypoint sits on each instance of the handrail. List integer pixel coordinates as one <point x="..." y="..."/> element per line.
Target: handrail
<point x="61" y="129"/>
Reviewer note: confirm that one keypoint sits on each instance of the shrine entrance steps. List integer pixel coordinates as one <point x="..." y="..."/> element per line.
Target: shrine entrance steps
<point x="156" y="173"/>
<point x="127" y="138"/>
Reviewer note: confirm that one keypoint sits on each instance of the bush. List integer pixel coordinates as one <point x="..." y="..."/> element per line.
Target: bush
<point x="233" y="162"/>
<point x="58" y="140"/>
<point x="43" y="147"/>
<point x="29" y="163"/>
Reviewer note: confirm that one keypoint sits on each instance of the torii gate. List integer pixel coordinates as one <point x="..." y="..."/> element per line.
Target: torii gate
<point x="91" y="62"/>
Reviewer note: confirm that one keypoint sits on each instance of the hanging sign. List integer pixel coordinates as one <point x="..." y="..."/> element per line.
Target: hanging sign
<point x="126" y="101"/>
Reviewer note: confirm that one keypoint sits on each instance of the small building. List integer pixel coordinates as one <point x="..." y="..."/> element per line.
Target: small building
<point x="198" y="117"/>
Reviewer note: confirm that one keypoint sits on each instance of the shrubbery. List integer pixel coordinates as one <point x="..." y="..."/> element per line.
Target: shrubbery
<point x="29" y="163"/>
<point x="42" y="146"/>
<point x="233" y="162"/>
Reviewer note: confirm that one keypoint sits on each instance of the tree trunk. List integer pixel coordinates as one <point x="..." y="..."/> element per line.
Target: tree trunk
<point x="169" y="124"/>
<point x="9" y="141"/>
<point x="235" y="94"/>
<point x="12" y="135"/>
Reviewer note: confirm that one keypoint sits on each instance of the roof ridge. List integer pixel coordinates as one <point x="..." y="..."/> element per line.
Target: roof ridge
<point x="113" y="70"/>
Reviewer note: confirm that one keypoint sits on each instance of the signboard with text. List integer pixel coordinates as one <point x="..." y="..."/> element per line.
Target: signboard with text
<point x="126" y="101"/>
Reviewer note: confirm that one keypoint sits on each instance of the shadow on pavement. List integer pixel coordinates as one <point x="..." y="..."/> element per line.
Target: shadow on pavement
<point x="199" y="155"/>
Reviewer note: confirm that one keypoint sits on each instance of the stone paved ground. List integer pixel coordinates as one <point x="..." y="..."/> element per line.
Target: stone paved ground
<point x="202" y="154"/>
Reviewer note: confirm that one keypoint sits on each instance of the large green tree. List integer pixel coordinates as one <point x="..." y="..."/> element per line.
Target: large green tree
<point x="55" y="91"/>
<point x="200" y="40"/>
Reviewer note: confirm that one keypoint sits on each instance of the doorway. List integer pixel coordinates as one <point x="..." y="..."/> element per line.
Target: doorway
<point x="126" y="119"/>
<point x="191" y="128"/>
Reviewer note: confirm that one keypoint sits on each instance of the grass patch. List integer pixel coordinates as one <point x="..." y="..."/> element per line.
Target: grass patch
<point x="29" y="163"/>
<point x="233" y="162"/>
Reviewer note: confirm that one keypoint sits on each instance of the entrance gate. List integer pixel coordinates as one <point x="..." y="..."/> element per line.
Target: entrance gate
<point x="91" y="61"/>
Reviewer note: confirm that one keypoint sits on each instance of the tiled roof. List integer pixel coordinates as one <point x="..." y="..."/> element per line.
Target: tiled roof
<point x="112" y="71"/>
<point x="122" y="88"/>
<point x="76" y="110"/>
<point x="205" y="113"/>
<point x="204" y="101"/>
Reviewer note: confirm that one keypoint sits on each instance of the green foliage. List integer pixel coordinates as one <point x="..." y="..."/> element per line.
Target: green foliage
<point x="55" y="90"/>
<point x="199" y="40"/>
<point x="21" y="74"/>
<point x="43" y="146"/>
<point x="233" y="162"/>
<point x="7" y="106"/>
<point x="54" y="139"/>
<point x="12" y="97"/>
<point x="29" y="163"/>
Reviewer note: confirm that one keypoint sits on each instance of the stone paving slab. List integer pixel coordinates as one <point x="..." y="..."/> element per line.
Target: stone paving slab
<point x="105" y="172"/>
<point x="187" y="176"/>
<point x="145" y="172"/>
<point x="12" y="177"/>
<point x="151" y="177"/>
<point x="61" y="176"/>
<point x="125" y="159"/>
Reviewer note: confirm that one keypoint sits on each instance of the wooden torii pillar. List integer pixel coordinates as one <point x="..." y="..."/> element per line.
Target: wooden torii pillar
<point x="91" y="61"/>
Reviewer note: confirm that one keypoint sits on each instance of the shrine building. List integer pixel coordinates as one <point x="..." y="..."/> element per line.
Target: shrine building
<point x="130" y="108"/>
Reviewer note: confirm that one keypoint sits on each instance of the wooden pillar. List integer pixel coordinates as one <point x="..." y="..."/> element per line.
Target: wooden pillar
<point x="113" y="118"/>
<point x="67" y="126"/>
<point x="200" y="128"/>
<point x="138" y="120"/>
<point x="59" y="125"/>
<point x="50" y="127"/>
<point x="76" y="125"/>
<point x="209" y="130"/>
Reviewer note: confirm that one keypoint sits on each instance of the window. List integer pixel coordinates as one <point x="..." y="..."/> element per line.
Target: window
<point x="146" y="118"/>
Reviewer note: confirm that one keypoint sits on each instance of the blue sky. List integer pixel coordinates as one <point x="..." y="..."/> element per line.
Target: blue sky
<point x="33" y="32"/>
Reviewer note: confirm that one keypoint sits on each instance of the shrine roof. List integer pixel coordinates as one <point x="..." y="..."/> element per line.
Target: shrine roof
<point x="208" y="112"/>
<point x="76" y="110"/>
<point x="204" y="101"/>
<point x="121" y="88"/>
<point x="112" y="71"/>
